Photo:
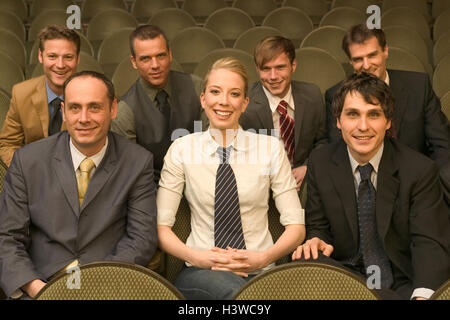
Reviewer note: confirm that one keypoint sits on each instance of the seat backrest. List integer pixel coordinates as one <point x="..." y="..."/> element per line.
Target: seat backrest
<point x="438" y="7"/>
<point x="441" y="79"/>
<point x="401" y="59"/>
<point x="38" y="6"/>
<point x="4" y="107"/>
<point x="144" y="9"/>
<point x="229" y="24"/>
<point x="18" y="7"/>
<point x="292" y="22"/>
<point x="408" y="39"/>
<point x="328" y="38"/>
<point x="443" y="293"/>
<point x="201" y="9"/>
<point x="441" y="48"/>
<point x="407" y="17"/>
<point x="319" y="67"/>
<point x="11" y="72"/>
<point x="15" y="48"/>
<point x="11" y="22"/>
<point x="343" y="17"/>
<point x="87" y="62"/>
<point x="420" y="6"/>
<point x="248" y="40"/>
<point x="109" y="281"/>
<point x="90" y="8"/>
<point x="191" y="44"/>
<point x="357" y="4"/>
<point x="109" y="21"/>
<point x="315" y="9"/>
<point x="246" y="59"/>
<point x="441" y="25"/>
<point x="257" y="9"/>
<point x="46" y="18"/>
<point x="445" y="104"/>
<point x="125" y="75"/>
<point x="114" y="49"/>
<point x="306" y="281"/>
<point x="172" y="21"/>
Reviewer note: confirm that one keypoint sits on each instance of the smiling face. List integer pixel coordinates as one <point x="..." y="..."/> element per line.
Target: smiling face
<point x="88" y="112"/>
<point x="59" y="60"/>
<point x="152" y="60"/>
<point x="224" y="99"/>
<point x="276" y="74"/>
<point x="363" y="126"/>
<point x="369" y="57"/>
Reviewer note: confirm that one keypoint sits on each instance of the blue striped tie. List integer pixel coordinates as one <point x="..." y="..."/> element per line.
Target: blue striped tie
<point x="370" y="242"/>
<point x="227" y="214"/>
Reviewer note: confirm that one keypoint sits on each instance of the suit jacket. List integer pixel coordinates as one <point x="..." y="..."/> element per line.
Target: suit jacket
<point x="309" y="117"/>
<point x="412" y="219"/>
<point x="27" y="118"/>
<point x="418" y="119"/>
<point x="42" y="226"/>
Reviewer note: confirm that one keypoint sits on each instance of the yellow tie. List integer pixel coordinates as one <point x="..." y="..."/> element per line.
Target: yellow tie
<point x="86" y="167"/>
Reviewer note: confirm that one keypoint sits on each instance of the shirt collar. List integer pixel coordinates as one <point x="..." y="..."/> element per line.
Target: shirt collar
<point x="51" y="95"/>
<point x="211" y="145"/>
<point x="77" y="156"/>
<point x="153" y="91"/>
<point x="387" y="78"/>
<point x="274" y="101"/>
<point x="375" y="161"/>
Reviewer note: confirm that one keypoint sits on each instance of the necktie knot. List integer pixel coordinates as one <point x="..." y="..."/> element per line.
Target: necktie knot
<point x="282" y="107"/>
<point x="365" y="171"/>
<point x="161" y="97"/>
<point x="56" y="103"/>
<point x="224" y="154"/>
<point x="87" y="165"/>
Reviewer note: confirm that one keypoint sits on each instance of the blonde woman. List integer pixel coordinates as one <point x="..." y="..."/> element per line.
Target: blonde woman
<point x="226" y="175"/>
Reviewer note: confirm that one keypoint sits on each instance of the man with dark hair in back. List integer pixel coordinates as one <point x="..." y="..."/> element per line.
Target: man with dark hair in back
<point x="418" y="120"/>
<point x="295" y="108"/>
<point x="80" y="196"/>
<point x="374" y="205"/>
<point x="161" y="100"/>
<point x="34" y="112"/>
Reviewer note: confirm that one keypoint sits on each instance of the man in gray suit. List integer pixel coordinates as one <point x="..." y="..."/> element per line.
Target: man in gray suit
<point x="303" y="127"/>
<point x="161" y="100"/>
<point x="79" y="196"/>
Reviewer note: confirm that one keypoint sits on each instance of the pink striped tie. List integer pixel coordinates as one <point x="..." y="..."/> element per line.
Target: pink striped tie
<point x="287" y="130"/>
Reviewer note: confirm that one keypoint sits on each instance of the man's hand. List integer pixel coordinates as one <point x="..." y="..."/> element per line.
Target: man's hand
<point x="299" y="174"/>
<point x="312" y="247"/>
<point x="33" y="287"/>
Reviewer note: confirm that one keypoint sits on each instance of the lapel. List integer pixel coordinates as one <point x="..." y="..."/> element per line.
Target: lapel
<point x="40" y="104"/>
<point x="343" y="180"/>
<point x="63" y="166"/>
<point x="387" y="189"/>
<point x="262" y="108"/>
<point x="300" y="100"/>
<point x="102" y="173"/>
<point x="401" y="98"/>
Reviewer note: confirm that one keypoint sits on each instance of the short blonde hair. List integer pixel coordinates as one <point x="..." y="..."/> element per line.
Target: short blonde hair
<point x="231" y="64"/>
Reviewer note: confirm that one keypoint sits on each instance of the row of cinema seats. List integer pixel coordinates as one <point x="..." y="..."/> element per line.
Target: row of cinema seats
<point x="286" y="281"/>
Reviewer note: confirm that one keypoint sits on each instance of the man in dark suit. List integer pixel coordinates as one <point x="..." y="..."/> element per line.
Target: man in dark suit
<point x="303" y="128"/>
<point x="374" y="205"/>
<point x="418" y="121"/>
<point x="161" y="105"/>
<point x="82" y="195"/>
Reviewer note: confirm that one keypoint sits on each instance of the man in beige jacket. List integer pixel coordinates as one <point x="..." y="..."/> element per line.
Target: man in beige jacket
<point x="34" y="111"/>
